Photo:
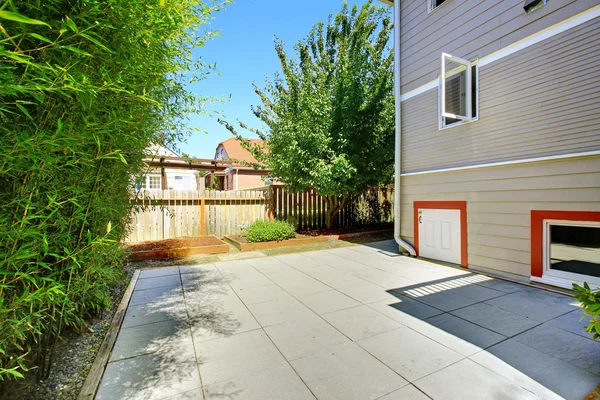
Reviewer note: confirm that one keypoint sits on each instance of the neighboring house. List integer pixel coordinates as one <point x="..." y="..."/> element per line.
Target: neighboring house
<point x="240" y="175"/>
<point x="177" y="179"/>
<point x="500" y="135"/>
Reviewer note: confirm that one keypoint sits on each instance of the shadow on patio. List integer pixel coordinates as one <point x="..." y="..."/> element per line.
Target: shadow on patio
<point x="530" y="336"/>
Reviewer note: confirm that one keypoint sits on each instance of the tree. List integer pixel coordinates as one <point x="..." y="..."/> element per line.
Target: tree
<point x="86" y="86"/>
<point x="330" y="115"/>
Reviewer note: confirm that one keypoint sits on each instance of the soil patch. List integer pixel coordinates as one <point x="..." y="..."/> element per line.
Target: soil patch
<point x="350" y="229"/>
<point x="176" y="243"/>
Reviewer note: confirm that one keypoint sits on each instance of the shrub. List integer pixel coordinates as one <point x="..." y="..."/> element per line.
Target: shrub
<point x="590" y="303"/>
<point x="269" y="231"/>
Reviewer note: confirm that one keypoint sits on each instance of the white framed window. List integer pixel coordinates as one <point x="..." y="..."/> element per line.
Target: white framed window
<point x="153" y="182"/>
<point x="434" y="4"/>
<point x="458" y="91"/>
<point x="182" y="182"/>
<point x="571" y="253"/>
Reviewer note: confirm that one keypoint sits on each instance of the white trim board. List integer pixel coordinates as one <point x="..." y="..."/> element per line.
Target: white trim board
<point x="519" y="45"/>
<point x="511" y="162"/>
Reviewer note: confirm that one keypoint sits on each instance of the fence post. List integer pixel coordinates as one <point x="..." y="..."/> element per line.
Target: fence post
<point x="202" y="205"/>
<point x="271" y="202"/>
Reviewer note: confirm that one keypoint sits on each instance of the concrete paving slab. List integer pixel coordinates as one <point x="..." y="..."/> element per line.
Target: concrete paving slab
<point x="347" y="266"/>
<point x="244" y="277"/>
<point x="480" y="337"/>
<point x="304" y="337"/>
<point x="260" y="294"/>
<point x="444" y="300"/>
<point x="496" y="319"/>
<point x="409" y="353"/>
<point x="476" y="292"/>
<point x="279" y="311"/>
<point x="149" y="377"/>
<point x="408" y="392"/>
<point x="233" y="356"/>
<point x="467" y="380"/>
<point x="271" y="267"/>
<point x="547" y="376"/>
<point x="172" y="281"/>
<point x="276" y="383"/>
<point x="573" y="322"/>
<point x="325" y="302"/>
<point x="196" y="268"/>
<point x="384" y="279"/>
<point x="574" y="349"/>
<point x="166" y="336"/>
<point x="298" y="283"/>
<point x="213" y="317"/>
<point x="149" y="313"/>
<point x="346" y="372"/>
<point x="195" y="394"/>
<point x="365" y="292"/>
<point x="403" y="309"/>
<point x="501" y="285"/>
<point x="156" y="272"/>
<point x="535" y="304"/>
<point x="296" y="260"/>
<point x="360" y="322"/>
<point x="439" y="335"/>
<point x="412" y="334"/>
<point x="159" y="295"/>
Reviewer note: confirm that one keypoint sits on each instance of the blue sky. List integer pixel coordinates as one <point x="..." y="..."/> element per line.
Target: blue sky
<point x="245" y="54"/>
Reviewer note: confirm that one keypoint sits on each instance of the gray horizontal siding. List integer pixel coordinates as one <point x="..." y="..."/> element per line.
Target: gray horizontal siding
<point x="469" y="28"/>
<point x="541" y="101"/>
<point x="499" y="203"/>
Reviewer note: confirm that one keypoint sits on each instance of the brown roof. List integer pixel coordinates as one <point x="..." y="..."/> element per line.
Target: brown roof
<point x="234" y="150"/>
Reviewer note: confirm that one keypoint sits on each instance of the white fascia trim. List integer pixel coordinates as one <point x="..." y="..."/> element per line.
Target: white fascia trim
<point x="511" y="162"/>
<point x="585" y="16"/>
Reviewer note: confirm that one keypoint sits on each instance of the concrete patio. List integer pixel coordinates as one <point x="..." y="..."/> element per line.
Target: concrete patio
<point x="359" y="322"/>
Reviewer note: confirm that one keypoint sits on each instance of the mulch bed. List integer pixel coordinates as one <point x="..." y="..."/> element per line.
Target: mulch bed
<point x="177" y="243"/>
<point x="177" y="248"/>
<point x="347" y="230"/>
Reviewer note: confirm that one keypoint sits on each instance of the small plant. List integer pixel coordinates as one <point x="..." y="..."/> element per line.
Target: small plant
<point x="269" y="231"/>
<point x="590" y="303"/>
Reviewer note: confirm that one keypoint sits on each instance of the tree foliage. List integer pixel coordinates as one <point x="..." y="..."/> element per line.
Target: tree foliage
<point x="86" y="86"/>
<point x="329" y="115"/>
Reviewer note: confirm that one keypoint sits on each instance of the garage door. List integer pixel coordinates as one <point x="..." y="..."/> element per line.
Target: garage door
<point x="439" y="235"/>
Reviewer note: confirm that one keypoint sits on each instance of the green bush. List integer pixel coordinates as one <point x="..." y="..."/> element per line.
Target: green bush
<point x="590" y="303"/>
<point x="269" y="231"/>
<point x="86" y="87"/>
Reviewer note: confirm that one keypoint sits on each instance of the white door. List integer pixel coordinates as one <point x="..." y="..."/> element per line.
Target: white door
<point x="439" y="235"/>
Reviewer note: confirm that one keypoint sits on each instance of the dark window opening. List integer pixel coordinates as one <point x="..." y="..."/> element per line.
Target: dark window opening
<point x="575" y="249"/>
<point x="455" y="96"/>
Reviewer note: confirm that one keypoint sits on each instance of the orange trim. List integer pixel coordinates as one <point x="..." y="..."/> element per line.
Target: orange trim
<point x="445" y="205"/>
<point x="537" y="232"/>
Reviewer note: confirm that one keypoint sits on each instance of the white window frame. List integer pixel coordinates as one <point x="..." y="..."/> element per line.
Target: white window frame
<point x="431" y="8"/>
<point x="562" y="278"/>
<point x="148" y="187"/>
<point x="469" y="99"/>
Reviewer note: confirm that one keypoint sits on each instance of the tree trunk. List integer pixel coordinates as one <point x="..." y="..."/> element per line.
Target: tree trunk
<point x="334" y="206"/>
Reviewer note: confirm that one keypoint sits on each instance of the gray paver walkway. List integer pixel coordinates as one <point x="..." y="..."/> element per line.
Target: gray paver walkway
<point x="351" y="323"/>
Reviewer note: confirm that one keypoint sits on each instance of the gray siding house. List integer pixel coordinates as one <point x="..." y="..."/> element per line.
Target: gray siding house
<point x="500" y="135"/>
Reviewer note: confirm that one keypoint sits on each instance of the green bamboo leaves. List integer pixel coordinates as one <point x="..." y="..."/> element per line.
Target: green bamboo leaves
<point x="86" y="87"/>
<point x="12" y="16"/>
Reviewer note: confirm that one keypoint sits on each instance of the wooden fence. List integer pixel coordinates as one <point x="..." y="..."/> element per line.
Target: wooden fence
<point x="307" y="209"/>
<point x="165" y="214"/>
